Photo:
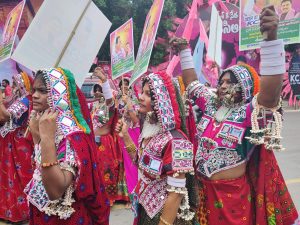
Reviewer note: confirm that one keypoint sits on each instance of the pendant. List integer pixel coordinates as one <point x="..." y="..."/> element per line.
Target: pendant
<point x="216" y="125"/>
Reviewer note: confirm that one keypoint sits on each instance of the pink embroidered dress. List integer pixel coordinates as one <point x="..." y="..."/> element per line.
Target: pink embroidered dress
<point x="85" y="201"/>
<point x="131" y="171"/>
<point x="221" y="146"/>
<point x="15" y="155"/>
<point x="168" y="153"/>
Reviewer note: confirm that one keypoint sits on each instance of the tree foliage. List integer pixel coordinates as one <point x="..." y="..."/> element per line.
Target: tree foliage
<point x="119" y="11"/>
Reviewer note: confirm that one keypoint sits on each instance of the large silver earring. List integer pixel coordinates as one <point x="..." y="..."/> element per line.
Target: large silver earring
<point x="151" y="117"/>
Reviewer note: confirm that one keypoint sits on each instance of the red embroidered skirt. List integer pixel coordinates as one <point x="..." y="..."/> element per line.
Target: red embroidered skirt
<point x="112" y="169"/>
<point x="225" y="202"/>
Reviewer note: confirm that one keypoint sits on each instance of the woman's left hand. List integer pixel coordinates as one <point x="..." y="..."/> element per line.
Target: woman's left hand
<point x="47" y="124"/>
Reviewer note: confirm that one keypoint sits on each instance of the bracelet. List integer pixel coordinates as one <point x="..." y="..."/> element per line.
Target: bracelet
<point x="106" y="90"/>
<point x="46" y="165"/>
<point x="131" y="148"/>
<point x="176" y="182"/>
<point x="164" y="221"/>
<point x="192" y="86"/>
<point x="272" y="58"/>
<point x="186" y="59"/>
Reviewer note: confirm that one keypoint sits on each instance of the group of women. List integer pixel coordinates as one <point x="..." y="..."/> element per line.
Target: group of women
<point x="199" y="157"/>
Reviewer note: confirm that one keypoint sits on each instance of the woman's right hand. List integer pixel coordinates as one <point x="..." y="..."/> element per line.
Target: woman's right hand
<point x="121" y="128"/>
<point x="99" y="72"/>
<point x="178" y="44"/>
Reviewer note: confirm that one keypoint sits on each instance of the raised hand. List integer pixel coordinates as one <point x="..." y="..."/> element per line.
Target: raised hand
<point x="269" y="23"/>
<point x="178" y="44"/>
<point x="99" y="72"/>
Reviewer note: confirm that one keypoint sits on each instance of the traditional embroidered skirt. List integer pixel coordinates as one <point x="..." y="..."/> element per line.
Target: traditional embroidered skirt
<point x="113" y="168"/>
<point x="16" y="172"/>
<point x="225" y="202"/>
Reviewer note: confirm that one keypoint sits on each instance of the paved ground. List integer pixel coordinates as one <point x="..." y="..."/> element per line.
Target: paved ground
<point x="289" y="162"/>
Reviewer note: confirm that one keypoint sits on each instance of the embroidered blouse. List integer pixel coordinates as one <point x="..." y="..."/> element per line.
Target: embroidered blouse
<point x="221" y="146"/>
<point x="19" y="114"/>
<point x="35" y="190"/>
<point x="167" y="154"/>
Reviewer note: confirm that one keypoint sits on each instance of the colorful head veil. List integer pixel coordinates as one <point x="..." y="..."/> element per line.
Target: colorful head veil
<point x="62" y="97"/>
<point x="247" y="78"/>
<point x="23" y="83"/>
<point x="165" y="104"/>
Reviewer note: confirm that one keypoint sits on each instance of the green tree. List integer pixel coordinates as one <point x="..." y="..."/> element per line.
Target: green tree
<point x="119" y="11"/>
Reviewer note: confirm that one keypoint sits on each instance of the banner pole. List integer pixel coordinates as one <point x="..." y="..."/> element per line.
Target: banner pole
<point x="72" y="34"/>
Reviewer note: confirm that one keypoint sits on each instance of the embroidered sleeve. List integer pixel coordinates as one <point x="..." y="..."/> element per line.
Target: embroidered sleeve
<point x="18" y="108"/>
<point x="63" y="207"/>
<point x="178" y="157"/>
<point x="198" y="96"/>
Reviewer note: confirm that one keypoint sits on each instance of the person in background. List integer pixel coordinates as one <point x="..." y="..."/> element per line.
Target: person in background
<point x="128" y="110"/>
<point x="8" y="89"/>
<point x="15" y="151"/>
<point x="104" y="118"/>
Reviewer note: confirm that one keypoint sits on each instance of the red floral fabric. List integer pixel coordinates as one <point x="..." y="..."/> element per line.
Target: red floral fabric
<point x="226" y="202"/>
<point x="273" y="203"/>
<point x="16" y="172"/>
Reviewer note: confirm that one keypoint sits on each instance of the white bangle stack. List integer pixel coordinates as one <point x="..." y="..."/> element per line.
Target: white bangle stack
<point x="186" y="59"/>
<point x="107" y="92"/>
<point x="176" y="182"/>
<point x="272" y="58"/>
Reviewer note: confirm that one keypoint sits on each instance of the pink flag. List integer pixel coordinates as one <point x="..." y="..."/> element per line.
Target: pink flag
<point x="223" y="6"/>
<point x="186" y="34"/>
<point x="203" y="35"/>
<point x="189" y="24"/>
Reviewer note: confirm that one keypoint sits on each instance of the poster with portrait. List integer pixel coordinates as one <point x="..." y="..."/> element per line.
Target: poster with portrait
<point x="122" y="50"/>
<point x="10" y="31"/>
<point x="294" y="74"/>
<point x="289" y="25"/>
<point x="147" y="40"/>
